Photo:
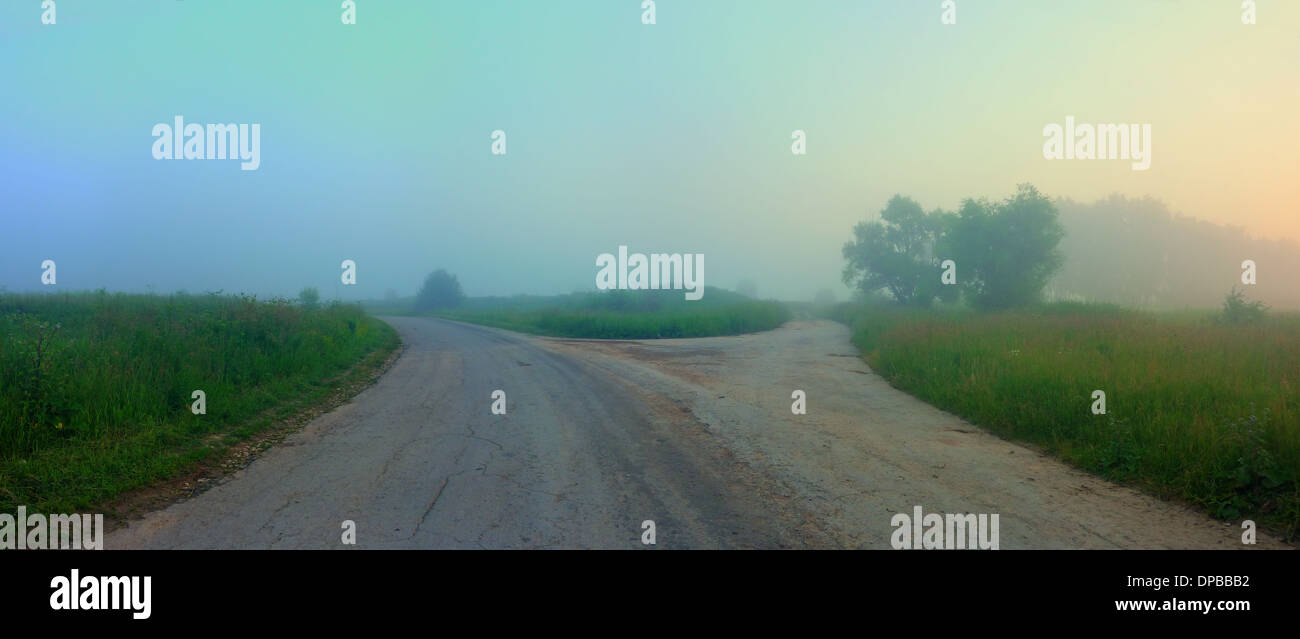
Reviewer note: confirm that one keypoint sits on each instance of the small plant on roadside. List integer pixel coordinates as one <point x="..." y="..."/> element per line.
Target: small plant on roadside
<point x="36" y="372"/>
<point x="1119" y="455"/>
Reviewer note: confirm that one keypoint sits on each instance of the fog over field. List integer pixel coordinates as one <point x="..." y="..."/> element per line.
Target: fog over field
<point x="424" y="275"/>
<point x="1137" y="253"/>
<point x="376" y="142"/>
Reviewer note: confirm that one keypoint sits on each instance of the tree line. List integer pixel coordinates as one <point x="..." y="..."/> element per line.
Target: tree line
<point x="990" y="254"/>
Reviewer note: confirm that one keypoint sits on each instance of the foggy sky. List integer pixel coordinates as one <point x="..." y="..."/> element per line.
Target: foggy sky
<point x="673" y="137"/>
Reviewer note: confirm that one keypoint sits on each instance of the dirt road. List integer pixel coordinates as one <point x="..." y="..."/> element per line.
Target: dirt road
<point x="696" y="435"/>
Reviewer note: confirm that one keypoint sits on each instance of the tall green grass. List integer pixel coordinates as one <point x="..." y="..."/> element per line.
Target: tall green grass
<point x="95" y="388"/>
<point x="1195" y="410"/>
<point x="626" y="314"/>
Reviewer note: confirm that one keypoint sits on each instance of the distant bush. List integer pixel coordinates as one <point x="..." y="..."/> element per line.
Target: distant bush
<point x="441" y="290"/>
<point x="309" y="297"/>
<point x="1238" y="310"/>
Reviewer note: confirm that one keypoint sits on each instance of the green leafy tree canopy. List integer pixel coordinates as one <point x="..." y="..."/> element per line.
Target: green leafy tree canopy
<point x="896" y="253"/>
<point x="1006" y="251"/>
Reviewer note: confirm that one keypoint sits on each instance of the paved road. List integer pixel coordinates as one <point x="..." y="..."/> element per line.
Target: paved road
<point x="419" y="461"/>
<point x="696" y="435"/>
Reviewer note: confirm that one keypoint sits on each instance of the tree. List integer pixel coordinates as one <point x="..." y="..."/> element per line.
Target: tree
<point x="895" y="253"/>
<point x="309" y="297"/>
<point x="440" y="290"/>
<point x="1006" y="251"/>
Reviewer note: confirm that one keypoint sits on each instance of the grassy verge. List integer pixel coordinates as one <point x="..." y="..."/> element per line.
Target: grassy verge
<point x="625" y="314"/>
<point x="1194" y="410"/>
<point x="95" y="388"/>
<point x="730" y="320"/>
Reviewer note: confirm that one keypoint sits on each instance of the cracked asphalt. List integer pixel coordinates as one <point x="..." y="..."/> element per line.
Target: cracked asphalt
<point x="419" y="461"/>
<point x="696" y="435"/>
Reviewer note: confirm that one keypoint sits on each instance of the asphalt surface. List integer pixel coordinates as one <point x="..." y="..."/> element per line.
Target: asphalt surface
<point x="419" y="461"/>
<point x="695" y="435"/>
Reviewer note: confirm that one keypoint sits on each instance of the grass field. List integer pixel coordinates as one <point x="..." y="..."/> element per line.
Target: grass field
<point x="623" y="314"/>
<point x="1195" y="410"/>
<point x="95" y="388"/>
